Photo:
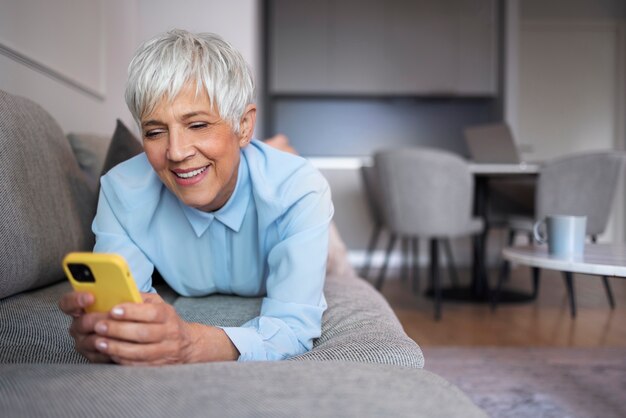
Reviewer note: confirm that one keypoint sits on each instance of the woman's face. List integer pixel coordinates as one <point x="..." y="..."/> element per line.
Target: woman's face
<point x="194" y="151"/>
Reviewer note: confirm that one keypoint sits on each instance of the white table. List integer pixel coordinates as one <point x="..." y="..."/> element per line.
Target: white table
<point x="489" y="169"/>
<point x="598" y="259"/>
<point x="478" y="169"/>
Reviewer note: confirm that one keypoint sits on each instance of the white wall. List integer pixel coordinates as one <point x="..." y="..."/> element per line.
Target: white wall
<point x="91" y="42"/>
<point x="236" y="21"/>
<point x="568" y="66"/>
<point x="88" y="43"/>
<point x="569" y="96"/>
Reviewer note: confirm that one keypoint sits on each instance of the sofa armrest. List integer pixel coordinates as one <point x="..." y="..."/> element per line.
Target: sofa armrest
<point x="359" y="325"/>
<point x="228" y="389"/>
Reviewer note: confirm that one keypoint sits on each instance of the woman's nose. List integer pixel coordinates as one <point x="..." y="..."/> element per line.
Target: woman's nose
<point x="179" y="148"/>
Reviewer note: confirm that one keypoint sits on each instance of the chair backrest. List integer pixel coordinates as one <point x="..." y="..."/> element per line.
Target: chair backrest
<point x="372" y="193"/>
<point x="426" y="192"/>
<point x="583" y="184"/>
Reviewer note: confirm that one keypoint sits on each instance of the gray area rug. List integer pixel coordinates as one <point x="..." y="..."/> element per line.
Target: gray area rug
<point x="537" y="382"/>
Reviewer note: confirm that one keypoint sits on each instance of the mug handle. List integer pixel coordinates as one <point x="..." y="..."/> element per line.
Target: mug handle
<point x="541" y="239"/>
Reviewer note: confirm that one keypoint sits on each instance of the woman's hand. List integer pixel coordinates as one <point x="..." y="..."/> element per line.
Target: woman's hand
<point x="149" y="333"/>
<point x="82" y="327"/>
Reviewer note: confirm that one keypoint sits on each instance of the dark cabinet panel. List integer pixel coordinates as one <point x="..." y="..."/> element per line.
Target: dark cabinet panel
<point x="391" y="47"/>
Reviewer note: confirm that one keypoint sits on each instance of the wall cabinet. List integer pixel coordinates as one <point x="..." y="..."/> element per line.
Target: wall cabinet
<point x="391" y="47"/>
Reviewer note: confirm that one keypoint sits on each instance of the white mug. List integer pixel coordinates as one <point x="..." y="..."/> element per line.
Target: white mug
<point x="565" y="235"/>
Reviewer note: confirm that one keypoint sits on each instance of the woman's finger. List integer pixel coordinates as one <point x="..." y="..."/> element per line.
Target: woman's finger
<point x="122" y="352"/>
<point x="137" y="332"/>
<point x="151" y="298"/>
<point x="85" y="324"/>
<point x="74" y="303"/>
<point x="86" y="346"/>
<point x="141" y="312"/>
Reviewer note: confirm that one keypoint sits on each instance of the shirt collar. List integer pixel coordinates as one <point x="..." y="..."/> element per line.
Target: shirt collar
<point x="231" y="214"/>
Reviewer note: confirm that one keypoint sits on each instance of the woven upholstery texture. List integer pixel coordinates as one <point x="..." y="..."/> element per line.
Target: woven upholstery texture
<point x="262" y="389"/>
<point x="34" y="330"/>
<point x="51" y="205"/>
<point x="358" y="326"/>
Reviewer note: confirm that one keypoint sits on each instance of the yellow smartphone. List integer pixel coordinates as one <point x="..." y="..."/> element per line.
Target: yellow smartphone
<point x="106" y="276"/>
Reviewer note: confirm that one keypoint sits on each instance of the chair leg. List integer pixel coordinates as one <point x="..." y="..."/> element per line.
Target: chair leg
<point x="415" y="265"/>
<point x="536" y="276"/>
<point x="569" y="284"/>
<point x="454" y="278"/>
<point x="609" y="292"/>
<point x="405" y="262"/>
<point x="370" y="250"/>
<point x="605" y="281"/>
<point x="502" y="275"/>
<point x="383" y="270"/>
<point x="434" y="276"/>
<point x="506" y="263"/>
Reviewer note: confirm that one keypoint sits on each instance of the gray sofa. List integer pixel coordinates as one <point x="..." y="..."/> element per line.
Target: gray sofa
<point x="362" y="365"/>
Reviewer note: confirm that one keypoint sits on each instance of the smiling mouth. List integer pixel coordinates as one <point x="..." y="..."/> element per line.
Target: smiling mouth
<point x="191" y="174"/>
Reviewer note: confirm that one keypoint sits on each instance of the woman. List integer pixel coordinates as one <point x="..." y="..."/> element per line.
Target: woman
<point x="212" y="210"/>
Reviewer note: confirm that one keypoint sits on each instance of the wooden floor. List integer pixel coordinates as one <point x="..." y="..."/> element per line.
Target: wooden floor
<point x="543" y="322"/>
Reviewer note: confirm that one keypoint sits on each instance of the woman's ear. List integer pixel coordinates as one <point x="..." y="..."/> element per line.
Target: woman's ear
<point x="246" y="125"/>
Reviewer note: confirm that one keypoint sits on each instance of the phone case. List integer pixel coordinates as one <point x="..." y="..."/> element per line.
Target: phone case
<point x="112" y="281"/>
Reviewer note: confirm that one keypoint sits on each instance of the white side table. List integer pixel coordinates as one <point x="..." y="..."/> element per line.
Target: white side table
<point x="598" y="259"/>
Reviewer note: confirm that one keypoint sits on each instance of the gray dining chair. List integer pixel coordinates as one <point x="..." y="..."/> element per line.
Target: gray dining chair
<point x="582" y="184"/>
<point x="426" y="193"/>
<point x="374" y="199"/>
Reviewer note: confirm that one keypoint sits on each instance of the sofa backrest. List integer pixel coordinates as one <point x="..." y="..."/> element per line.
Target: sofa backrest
<point x="46" y="204"/>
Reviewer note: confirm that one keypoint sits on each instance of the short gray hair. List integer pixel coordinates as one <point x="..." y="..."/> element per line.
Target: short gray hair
<point x="164" y="64"/>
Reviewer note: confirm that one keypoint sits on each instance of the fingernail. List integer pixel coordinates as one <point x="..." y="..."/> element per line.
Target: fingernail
<point x="101" y="328"/>
<point x="82" y="300"/>
<point x="102" y="345"/>
<point x="117" y="311"/>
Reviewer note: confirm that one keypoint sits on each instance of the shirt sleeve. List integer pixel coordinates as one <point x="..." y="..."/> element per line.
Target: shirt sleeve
<point x="111" y="237"/>
<point x="291" y="314"/>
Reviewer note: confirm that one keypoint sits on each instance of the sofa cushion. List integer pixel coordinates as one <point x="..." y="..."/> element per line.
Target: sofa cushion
<point x="359" y="325"/>
<point x="46" y="204"/>
<point x="124" y="145"/>
<point x="90" y="151"/>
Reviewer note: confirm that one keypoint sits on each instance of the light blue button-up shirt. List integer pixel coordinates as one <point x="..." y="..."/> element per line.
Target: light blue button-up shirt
<point x="270" y="239"/>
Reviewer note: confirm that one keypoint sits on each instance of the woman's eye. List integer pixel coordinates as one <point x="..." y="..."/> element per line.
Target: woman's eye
<point x="153" y="133"/>
<point x="198" y="125"/>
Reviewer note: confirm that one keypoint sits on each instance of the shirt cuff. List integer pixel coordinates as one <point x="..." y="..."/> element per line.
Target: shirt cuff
<point x="248" y="342"/>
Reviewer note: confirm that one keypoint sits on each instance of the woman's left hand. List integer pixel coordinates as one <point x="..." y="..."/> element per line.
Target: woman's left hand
<point x="152" y="333"/>
<point x="149" y="333"/>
